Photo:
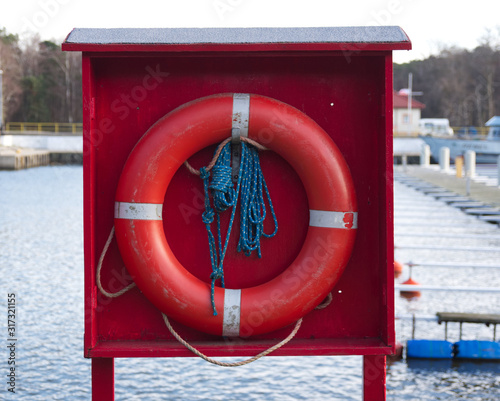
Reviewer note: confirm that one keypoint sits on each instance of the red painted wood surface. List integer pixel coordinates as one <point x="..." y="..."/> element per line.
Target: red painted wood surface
<point x="103" y="379"/>
<point x="349" y="97"/>
<point x="374" y="377"/>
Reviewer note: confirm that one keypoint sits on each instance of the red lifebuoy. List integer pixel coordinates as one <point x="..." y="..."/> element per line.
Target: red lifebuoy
<point x="249" y="311"/>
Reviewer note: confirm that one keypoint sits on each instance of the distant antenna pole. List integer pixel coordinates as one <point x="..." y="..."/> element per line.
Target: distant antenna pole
<point x="410" y="84"/>
<point x="1" y="103"/>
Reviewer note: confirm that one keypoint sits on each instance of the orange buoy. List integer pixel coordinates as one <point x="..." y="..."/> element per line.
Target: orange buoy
<point x="177" y="292"/>
<point x="410" y="294"/>
<point x="398" y="269"/>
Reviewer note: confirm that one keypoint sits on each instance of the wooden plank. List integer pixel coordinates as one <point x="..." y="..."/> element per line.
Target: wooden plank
<point x="484" y="318"/>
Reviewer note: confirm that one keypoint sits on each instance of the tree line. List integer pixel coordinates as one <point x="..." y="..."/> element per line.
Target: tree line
<point x="41" y="83"/>
<point x="459" y="84"/>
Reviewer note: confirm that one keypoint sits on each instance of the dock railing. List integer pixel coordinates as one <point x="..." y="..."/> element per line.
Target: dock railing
<point x="471" y="132"/>
<point x="465" y="132"/>
<point x="38" y="127"/>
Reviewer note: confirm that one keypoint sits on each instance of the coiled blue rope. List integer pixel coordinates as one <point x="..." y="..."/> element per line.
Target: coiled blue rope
<point x="252" y="210"/>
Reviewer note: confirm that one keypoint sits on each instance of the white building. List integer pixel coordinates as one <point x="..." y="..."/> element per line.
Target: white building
<point x="403" y="123"/>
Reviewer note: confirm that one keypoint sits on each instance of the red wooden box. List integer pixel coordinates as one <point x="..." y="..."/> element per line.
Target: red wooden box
<point x="340" y="77"/>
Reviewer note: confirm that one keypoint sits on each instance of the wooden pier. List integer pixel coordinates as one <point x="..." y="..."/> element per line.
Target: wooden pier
<point x="449" y="182"/>
<point x="18" y="158"/>
<point x="478" y="318"/>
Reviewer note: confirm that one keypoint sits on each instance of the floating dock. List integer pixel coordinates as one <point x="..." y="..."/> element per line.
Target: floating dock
<point x="446" y="210"/>
<point x="461" y="349"/>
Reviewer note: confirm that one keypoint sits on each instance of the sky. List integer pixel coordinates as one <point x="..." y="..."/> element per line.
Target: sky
<point x="430" y="24"/>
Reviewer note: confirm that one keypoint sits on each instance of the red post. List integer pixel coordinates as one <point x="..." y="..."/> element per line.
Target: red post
<point x="374" y="378"/>
<point x="103" y="379"/>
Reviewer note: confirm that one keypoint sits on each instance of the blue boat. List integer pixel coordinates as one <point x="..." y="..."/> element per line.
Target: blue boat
<point x="487" y="149"/>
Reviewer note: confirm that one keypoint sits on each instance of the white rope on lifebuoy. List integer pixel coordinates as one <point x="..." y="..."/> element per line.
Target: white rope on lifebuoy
<point x="99" y="267"/>
<point x="323" y="305"/>
<point x="231" y="364"/>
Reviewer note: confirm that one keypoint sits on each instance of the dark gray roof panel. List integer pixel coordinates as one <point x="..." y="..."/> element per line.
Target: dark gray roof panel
<point x="367" y="34"/>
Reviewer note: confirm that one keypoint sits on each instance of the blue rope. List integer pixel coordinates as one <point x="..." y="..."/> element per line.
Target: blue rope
<point x="253" y="208"/>
<point x="252" y="211"/>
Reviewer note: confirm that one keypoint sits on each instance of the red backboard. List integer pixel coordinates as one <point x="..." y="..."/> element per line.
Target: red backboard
<point x="339" y="77"/>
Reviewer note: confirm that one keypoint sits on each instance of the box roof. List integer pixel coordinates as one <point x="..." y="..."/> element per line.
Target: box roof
<point x="212" y="39"/>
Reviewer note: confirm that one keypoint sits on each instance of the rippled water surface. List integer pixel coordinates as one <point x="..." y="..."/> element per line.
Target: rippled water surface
<point x="41" y="261"/>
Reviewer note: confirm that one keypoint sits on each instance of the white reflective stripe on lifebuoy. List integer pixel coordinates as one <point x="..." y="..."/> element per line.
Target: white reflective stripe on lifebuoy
<point x="138" y="211"/>
<point x="231" y="320"/>
<point x="323" y="218"/>
<point x="241" y="112"/>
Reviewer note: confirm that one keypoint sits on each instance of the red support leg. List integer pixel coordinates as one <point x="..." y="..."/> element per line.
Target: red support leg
<point x="374" y="378"/>
<point x="103" y="379"/>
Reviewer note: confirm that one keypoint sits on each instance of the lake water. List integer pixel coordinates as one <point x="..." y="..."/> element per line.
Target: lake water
<point x="41" y="261"/>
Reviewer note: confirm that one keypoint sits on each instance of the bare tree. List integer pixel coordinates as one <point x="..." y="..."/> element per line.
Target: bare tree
<point x="10" y="65"/>
<point x="49" y="81"/>
<point x="459" y="84"/>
